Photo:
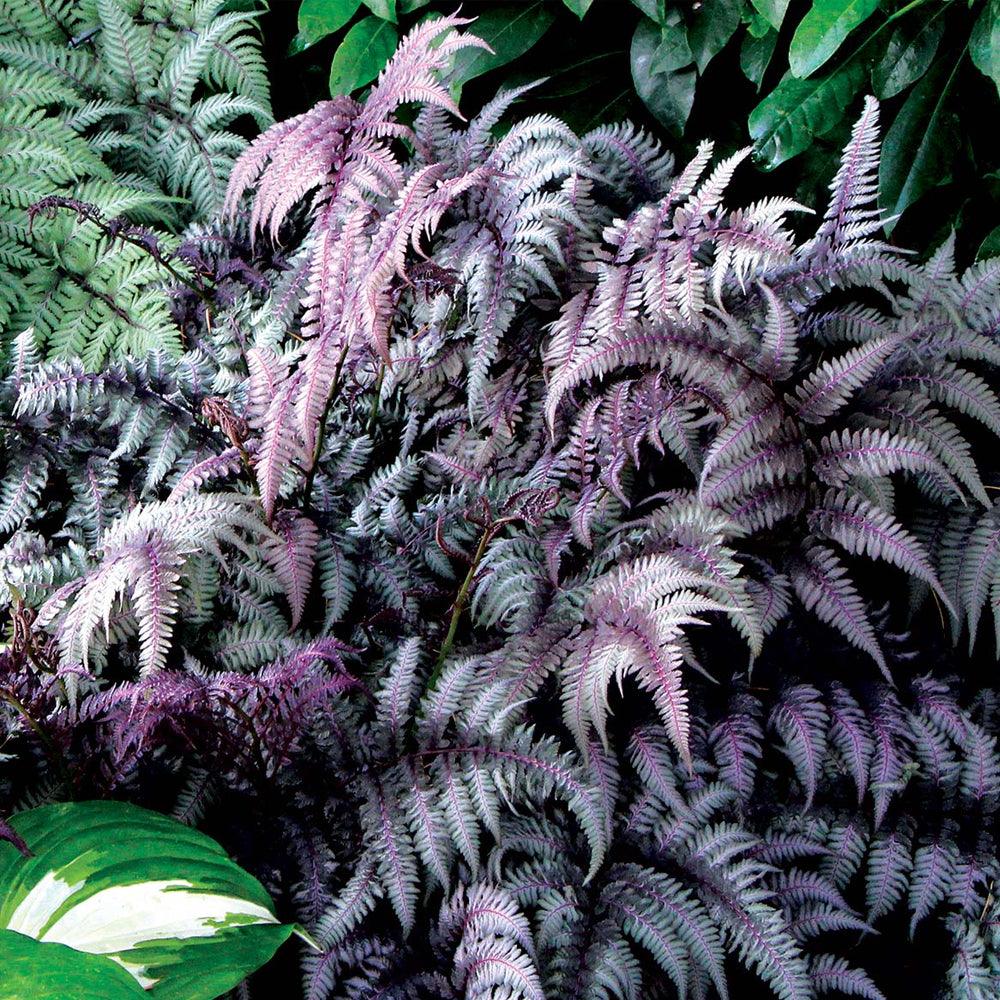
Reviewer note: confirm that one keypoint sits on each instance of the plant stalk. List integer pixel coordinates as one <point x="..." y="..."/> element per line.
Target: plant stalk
<point x="461" y="599"/>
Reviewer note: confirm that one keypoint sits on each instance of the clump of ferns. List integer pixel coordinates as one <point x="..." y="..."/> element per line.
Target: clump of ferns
<point x="734" y="387"/>
<point x="138" y="109"/>
<point x="208" y="270"/>
<point x="799" y="452"/>
<point x="440" y="438"/>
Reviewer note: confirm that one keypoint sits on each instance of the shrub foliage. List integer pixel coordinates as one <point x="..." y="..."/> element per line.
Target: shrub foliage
<point x="433" y="539"/>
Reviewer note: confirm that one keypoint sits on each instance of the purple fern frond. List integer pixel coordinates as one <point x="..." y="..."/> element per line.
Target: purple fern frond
<point x="292" y="556"/>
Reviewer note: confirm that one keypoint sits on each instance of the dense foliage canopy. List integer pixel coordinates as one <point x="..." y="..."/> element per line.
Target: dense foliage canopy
<point x="549" y="571"/>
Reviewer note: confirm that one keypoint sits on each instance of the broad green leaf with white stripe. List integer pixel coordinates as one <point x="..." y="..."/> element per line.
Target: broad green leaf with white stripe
<point x="54" y="972"/>
<point x="161" y="900"/>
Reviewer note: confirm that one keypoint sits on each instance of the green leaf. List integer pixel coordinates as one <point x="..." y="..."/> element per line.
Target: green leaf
<point x="673" y="52"/>
<point x="711" y="27"/>
<point x="577" y="78"/>
<point x="510" y="29"/>
<point x="126" y="51"/>
<point x="669" y="95"/>
<point x="920" y="144"/>
<point x="162" y="900"/>
<point x="990" y="247"/>
<point x="758" y="26"/>
<point x="385" y="9"/>
<point x="984" y="43"/>
<point x="55" y="972"/>
<point x="908" y="53"/>
<point x="590" y="91"/>
<point x="579" y="7"/>
<point x="360" y="57"/>
<point x="655" y="10"/>
<point x="756" y="54"/>
<point x="786" y="121"/>
<point x="773" y="10"/>
<point x="822" y="31"/>
<point x="319" y="18"/>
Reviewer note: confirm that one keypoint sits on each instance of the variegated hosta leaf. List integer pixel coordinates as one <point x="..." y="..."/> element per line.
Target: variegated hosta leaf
<point x="161" y="900"/>
<point x="54" y="972"/>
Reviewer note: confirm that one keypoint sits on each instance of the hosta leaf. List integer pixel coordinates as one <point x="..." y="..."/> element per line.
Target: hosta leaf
<point x="55" y="972"/>
<point x="823" y="30"/>
<point x="786" y="121"/>
<point x="155" y="896"/>
<point x="366" y="48"/>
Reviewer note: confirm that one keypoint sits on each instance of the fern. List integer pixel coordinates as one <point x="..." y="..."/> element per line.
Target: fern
<point x="137" y="123"/>
<point x="395" y="558"/>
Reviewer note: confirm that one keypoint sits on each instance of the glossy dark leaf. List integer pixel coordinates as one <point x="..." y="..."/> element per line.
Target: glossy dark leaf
<point x="823" y="30"/>
<point x="711" y="28"/>
<point x="591" y="91"/>
<point x="668" y="95"/>
<point x="984" y="43"/>
<point x="366" y="48"/>
<point x="579" y="7"/>
<point x="787" y="120"/>
<point x="772" y="10"/>
<point x="655" y="10"/>
<point x="908" y="54"/>
<point x="385" y="9"/>
<point x="920" y="145"/>
<point x="319" y="18"/>
<point x="510" y="29"/>
<point x="580" y="77"/>
<point x="673" y="51"/>
<point x="990" y="247"/>
<point x="756" y="54"/>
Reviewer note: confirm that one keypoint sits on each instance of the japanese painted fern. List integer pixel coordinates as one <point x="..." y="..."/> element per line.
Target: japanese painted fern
<point x="135" y="108"/>
<point x="417" y="559"/>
